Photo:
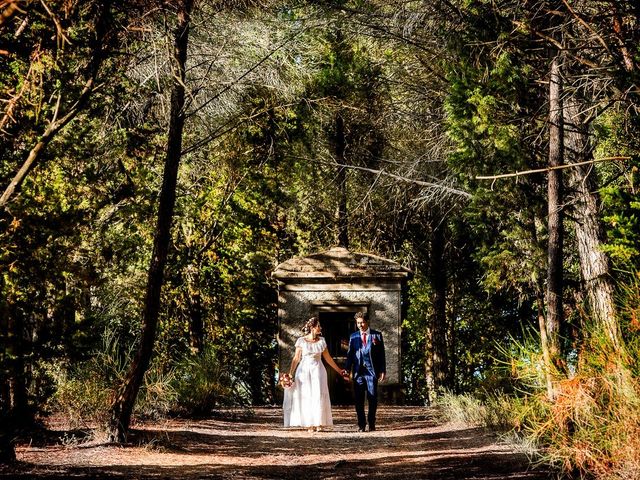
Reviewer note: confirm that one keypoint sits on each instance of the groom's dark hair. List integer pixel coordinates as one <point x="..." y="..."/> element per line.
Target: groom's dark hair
<point x="362" y="315"/>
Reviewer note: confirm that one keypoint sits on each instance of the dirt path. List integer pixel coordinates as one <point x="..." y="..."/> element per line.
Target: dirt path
<point x="407" y="444"/>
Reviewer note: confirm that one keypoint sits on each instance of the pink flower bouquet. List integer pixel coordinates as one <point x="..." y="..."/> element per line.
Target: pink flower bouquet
<point x="286" y="381"/>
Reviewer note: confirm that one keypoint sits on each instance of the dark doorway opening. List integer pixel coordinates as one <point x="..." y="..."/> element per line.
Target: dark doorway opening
<point x="336" y="329"/>
<point x="337" y="326"/>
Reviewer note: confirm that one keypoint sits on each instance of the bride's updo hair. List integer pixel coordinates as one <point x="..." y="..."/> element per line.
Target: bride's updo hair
<point x="309" y="324"/>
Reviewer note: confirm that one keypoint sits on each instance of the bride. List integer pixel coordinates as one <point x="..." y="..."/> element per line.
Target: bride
<point x="306" y="398"/>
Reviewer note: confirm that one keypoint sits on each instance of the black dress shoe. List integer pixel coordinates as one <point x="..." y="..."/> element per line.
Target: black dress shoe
<point x="372" y="429"/>
<point x="361" y="430"/>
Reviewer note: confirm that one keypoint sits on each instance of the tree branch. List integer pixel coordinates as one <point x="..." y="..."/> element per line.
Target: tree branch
<point x="439" y="186"/>
<point x="13" y="101"/>
<point x="58" y="123"/>
<point x="9" y="7"/>
<point x="587" y="26"/>
<point x="543" y="170"/>
<point x="556" y="44"/>
<point x="249" y="71"/>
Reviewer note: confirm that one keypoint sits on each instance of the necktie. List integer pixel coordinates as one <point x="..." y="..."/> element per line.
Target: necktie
<point x="364" y="339"/>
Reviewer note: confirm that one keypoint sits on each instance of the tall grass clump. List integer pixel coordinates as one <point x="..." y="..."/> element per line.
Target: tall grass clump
<point x="590" y="428"/>
<point x="503" y="397"/>
<point x="491" y="410"/>
<point x="203" y="383"/>
<point x="157" y="396"/>
<point x="83" y="392"/>
<point x="592" y="425"/>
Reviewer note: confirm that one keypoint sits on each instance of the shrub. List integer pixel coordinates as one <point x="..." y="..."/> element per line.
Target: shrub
<point x="494" y="411"/>
<point x="157" y="396"/>
<point x="80" y="395"/>
<point x="83" y="392"/>
<point x="592" y="427"/>
<point x="202" y="383"/>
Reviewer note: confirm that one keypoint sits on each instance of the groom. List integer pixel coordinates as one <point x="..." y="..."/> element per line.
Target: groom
<point x="366" y="360"/>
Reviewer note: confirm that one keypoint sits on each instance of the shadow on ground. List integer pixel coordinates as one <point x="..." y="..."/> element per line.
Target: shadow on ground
<point x="408" y="443"/>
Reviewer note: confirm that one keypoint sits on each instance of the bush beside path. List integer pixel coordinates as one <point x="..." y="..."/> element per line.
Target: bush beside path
<point x="408" y="443"/>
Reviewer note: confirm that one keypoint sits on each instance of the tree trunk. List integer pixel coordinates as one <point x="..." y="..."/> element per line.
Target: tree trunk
<point x="7" y="451"/>
<point x="341" y="178"/>
<point x="428" y="367"/>
<point x="451" y="341"/>
<point x="555" y="219"/>
<point x="122" y="407"/>
<point x="594" y="263"/>
<point x="538" y="286"/>
<point x="194" y="304"/>
<point x="15" y="352"/>
<point x="196" y="324"/>
<point x="544" y="341"/>
<point x="438" y="275"/>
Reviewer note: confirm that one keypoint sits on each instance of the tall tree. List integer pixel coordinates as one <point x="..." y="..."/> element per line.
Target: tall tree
<point x="7" y="452"/>
<point x="439" y="346"/>
<point x="594" y="263"/>
<point x="555" y="258"/>
<point x="601" y="34"/>
<point x="598" y="71"/>
<point x="342" y="214"/>
<point x="124" y="402"/>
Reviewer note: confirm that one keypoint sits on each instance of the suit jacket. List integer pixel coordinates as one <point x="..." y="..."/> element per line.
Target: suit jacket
<point x="366" y="359"/>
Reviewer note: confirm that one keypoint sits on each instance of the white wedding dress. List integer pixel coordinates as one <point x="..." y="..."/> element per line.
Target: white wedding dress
<point x="307" y="403"/>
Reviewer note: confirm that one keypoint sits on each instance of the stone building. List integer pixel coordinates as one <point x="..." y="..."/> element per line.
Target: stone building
<point x="334" y="285"/>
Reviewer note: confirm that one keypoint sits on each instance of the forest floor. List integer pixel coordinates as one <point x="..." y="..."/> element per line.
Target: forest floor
<point x="408" y="443"/>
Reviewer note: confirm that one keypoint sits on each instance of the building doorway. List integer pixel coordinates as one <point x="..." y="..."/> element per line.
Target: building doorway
<point x="337" y="326"/>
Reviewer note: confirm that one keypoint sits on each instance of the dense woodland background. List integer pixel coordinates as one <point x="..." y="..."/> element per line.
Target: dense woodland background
<point x="160" y="158"/>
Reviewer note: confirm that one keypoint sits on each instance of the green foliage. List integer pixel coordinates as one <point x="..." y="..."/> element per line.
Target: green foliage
<point x="486" y="98"/>
<point x="623" y="218"/>
<point x="203" y="383"/>
<point x="50" y="261"/>
<point x="412" y="99"/>
<point x="629" y="308"/>
<point x="484" y="322"/>
<point x="83" y="392"/>
<point x="490" y="120"/>
<point x="524" y="363"/>
<point x="79" y="395"/>
<point x="69" y="236"/>
<point x="617" y="136"/>
<point x="415" y="331"/>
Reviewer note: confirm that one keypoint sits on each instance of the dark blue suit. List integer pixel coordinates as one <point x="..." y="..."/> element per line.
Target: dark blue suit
<point x="366" y="362"/>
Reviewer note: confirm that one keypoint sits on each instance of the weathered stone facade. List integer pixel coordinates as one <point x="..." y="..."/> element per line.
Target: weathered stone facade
<point x="333" y="285"/>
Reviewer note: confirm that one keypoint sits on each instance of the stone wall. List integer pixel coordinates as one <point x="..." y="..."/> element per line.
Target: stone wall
<point x="298" y="302"/>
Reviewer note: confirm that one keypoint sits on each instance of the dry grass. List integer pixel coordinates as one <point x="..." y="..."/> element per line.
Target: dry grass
<point x="592" y="428"/>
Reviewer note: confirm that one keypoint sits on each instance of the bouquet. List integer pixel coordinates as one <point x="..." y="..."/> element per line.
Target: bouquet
<point x="286" y="381"/>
